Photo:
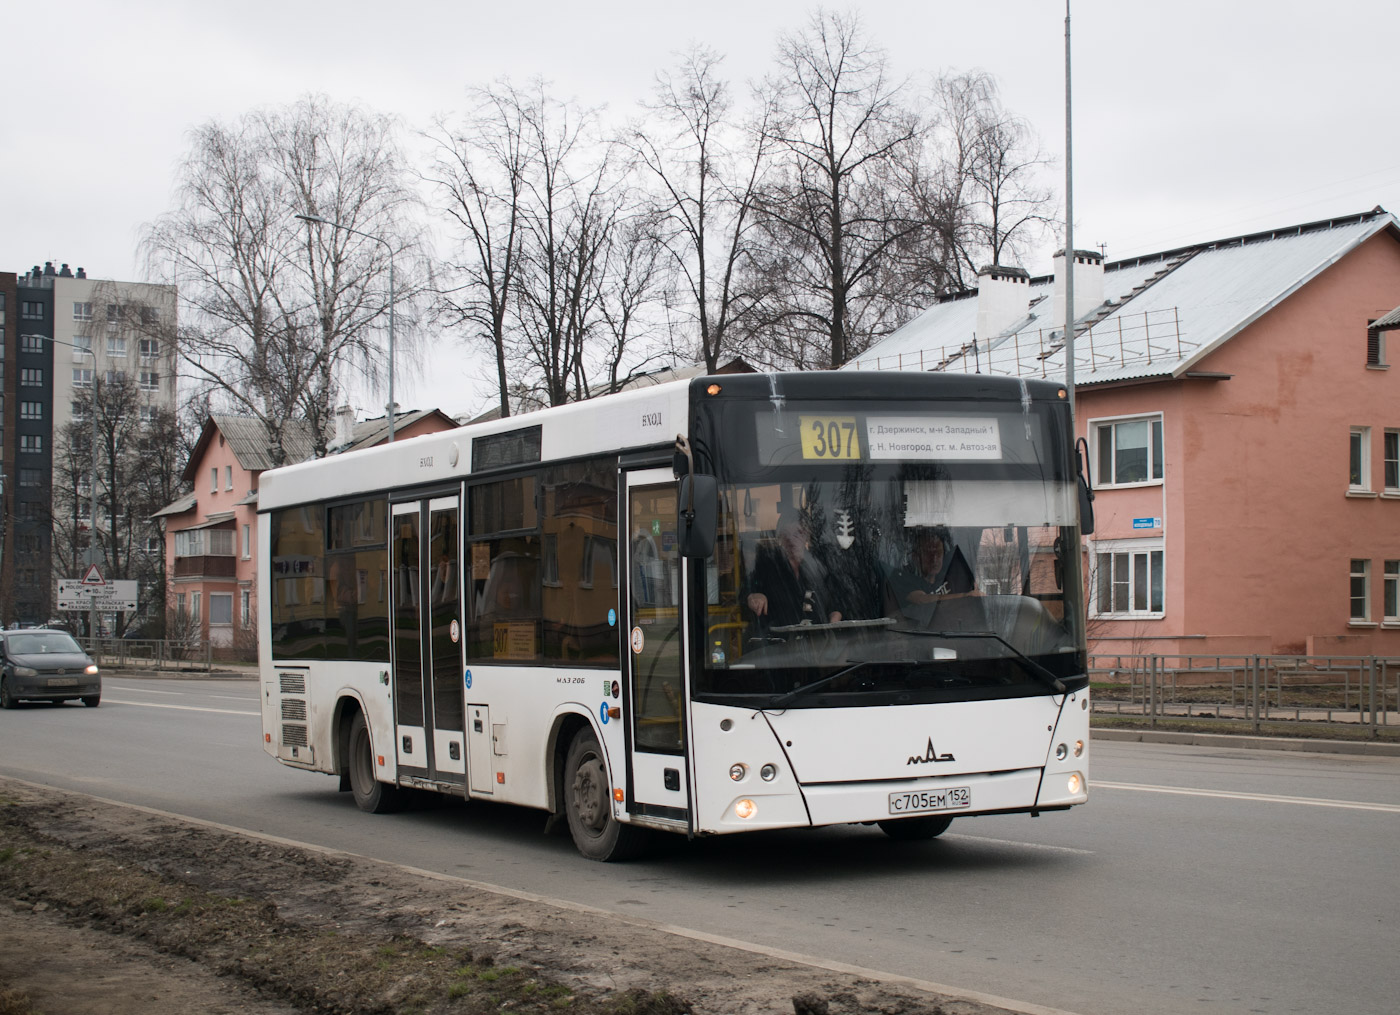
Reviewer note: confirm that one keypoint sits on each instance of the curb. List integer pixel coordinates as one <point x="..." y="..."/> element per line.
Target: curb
<point x="1362" y="747"/>
<point x="112" y="671"/>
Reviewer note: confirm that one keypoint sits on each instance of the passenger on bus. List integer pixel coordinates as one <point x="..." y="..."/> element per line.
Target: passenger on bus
<point x="787" y="585"/>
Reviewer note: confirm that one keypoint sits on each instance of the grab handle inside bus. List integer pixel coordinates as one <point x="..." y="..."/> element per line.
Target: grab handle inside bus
<point x="697" y="506"/>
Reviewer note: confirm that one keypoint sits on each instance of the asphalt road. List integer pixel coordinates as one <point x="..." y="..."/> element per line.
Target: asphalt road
<point x="1195" y="880"/>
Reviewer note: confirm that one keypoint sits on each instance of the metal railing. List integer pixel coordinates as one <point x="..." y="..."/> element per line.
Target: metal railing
<point x="1352" y="691"/>
<point x="198" y="654"/>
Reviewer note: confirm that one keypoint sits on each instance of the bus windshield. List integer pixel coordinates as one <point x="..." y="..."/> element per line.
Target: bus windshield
<point x="891" y="554"/>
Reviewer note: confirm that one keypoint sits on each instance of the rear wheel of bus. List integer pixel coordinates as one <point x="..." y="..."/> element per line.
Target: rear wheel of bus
<point x="588" y="805"/>
<point x="370" y="794"/>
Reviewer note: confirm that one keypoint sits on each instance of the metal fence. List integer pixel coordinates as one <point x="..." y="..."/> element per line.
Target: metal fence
<point x="170" y="654"/>
<point x="1349" y="691"/>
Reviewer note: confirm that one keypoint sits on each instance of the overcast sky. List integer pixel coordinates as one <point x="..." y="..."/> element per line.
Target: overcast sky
<point x="1193" y="120"/>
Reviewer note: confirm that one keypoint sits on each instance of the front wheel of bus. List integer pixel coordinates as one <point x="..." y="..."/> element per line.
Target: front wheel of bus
<point x="588" y="805"/>
<point x="916" y="829"/>
<point x="370" y="794"/>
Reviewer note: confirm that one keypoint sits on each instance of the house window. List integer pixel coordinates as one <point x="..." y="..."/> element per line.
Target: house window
<point x="147" y="414"/>
<point x="82" y="345"/>
<point x="31" y="377"/>
<point x="214" y="480"/>
<point x="150" y="315"/>
<point x="31" y="310"/>
<point x="31" y="443"/>
<point x="1390" y="591"/>
<point x="1129" y="579"/>
<point x="82" y="378"/>
<point x="1130" y="451"/>
<point x="1392" y="461"/>
<point x="31" y="343"/>
<point x="248" y="545"/>
<point x="220" y="609"/>
<point x="228" y="477"/>
<point x="245" y="610"/>
<point x="116" y="345"/>
<point x="150" y="348"/>
<point x="1360" y="591"/>
<point x="31" y="410"/>
<point x="1360" y="468"/>
<point x="31" y="477"/>
<point x="195" y="606"/>
<point x="82" y="311"/>
<point x="1375" y="347"/>
<point x="149" y="380"/>
<point x="115" y="376"/>
<point x="154" y="544"/>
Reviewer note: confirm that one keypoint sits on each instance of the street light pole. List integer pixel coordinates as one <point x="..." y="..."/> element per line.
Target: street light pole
<point x="92" y="492"/>
<point x="377" y="239"/>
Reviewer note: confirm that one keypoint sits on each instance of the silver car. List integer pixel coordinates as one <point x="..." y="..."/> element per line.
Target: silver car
<point x="44" y="665"/>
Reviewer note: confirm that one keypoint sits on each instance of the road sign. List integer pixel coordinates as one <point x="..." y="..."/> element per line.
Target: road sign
<point x="109" y="597"/>
<point x="92" y="576"/>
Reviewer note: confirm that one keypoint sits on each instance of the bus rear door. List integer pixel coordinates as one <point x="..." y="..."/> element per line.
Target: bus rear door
<point x="657" y="693"/>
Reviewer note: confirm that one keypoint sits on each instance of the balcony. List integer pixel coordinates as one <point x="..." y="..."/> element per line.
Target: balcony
<point x="209" y="565"/>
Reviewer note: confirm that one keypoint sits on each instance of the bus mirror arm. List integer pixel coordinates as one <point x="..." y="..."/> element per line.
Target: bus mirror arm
<point x="698" y="504"/>
<point x="1086" y="488"/>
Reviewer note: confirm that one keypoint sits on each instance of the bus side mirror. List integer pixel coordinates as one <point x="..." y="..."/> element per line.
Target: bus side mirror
<point x="698" y="515"/>
<point x="1086" y="491"/>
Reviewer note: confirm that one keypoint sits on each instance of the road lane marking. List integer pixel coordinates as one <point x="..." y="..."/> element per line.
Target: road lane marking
<point x="145" y="690"/>
<point x="865" y="972"/>
<point x="181" y="708"/>
<point x="1014" y="842"/>
<point x="1268" y="798"/>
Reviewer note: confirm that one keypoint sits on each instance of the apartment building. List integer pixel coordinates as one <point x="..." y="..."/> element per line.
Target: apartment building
<point x="63" y="335"/>
<point x="1243" y="428"/>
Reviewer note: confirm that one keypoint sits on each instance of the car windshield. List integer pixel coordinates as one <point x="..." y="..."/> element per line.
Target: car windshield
<point x="42" y="643"/>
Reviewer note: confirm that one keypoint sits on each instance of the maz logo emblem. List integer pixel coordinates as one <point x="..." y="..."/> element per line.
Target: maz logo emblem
<point x="930" y="756"/>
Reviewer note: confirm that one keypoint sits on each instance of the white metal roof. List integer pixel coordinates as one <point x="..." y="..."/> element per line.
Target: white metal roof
<point x="1161" y="313"/>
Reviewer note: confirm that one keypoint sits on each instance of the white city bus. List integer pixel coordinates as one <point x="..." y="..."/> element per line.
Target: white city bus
<point x="557" y="609"/>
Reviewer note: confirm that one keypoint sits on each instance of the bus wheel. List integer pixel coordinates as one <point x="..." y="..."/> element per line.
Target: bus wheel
<point x="370" y="794"/>
<point x="916" y="829"/>
<point x="588" y="805"/>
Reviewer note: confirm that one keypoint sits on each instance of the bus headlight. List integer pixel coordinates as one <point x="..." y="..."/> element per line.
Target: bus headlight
<point x="768" y="772"/>
<point x="737" y="771"/>
<point x="1075" y="784"/>
<point x="1061" y="752"/>
<point x="745" y="808"/>
<point x="1079" y="748"/>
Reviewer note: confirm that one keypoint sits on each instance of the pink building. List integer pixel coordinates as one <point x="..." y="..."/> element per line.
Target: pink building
<point x="211" y="532"/>
<point x="1243" y="429"/>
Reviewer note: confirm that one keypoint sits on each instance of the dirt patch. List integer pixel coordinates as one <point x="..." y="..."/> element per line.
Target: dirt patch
<point x="110" y="909"/>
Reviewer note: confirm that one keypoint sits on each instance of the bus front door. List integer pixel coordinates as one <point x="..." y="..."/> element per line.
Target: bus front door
<point x="426" y="589"/>
<point x="657" y="691"/>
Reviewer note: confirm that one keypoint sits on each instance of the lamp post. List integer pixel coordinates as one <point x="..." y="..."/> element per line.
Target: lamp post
<point x="377" y="239"/>
<point x="92" y="492"/>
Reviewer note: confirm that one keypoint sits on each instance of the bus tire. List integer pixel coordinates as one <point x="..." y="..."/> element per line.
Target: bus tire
<point x="588" y="805"/>
<point x="370" y="794"/>
<point x="916" y="829"/>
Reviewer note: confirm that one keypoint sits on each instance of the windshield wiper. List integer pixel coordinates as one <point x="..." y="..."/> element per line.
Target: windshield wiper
<point x="783" y="700"/>
<point x="1036" y="669"/>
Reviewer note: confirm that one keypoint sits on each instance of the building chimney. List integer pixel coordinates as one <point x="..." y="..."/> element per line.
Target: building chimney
<point x="344" y="425"/>
<point x="1088" y="285"/>
<point x="1003" y="299"/>
<point x="64" y="272"/>
<point x="48" y="269"/>
<point x="82" y="273"/>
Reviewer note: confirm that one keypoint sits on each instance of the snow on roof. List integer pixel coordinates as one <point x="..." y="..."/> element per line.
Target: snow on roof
<point x="1161" y="313"/>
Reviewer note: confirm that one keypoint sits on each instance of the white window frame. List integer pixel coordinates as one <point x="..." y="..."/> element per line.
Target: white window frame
<point x="1156" y="451"/>
<point x="248" y="543"/>
<point x="245" y="610"/>
<point x="116" y="345"/>
<point x="228" y="477"/>
<point x="82" y="311"/>
<point x="1390" y="455"/>
<point x="214" y="479"/>
<point x="82" y="378"/>
<point x="1131" y="549"/>
<point x="1359" y="460"/>
<point x="219" y="597"/>
<point x="1359" y="594"/>
<point x="148" y="380"/>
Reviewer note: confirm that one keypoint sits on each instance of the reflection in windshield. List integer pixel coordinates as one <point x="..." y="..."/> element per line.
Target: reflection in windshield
<point x="909" y="582"/>
<point x="40" y="644"/>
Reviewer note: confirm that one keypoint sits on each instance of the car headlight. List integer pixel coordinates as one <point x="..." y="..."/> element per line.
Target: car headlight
<point x="91" y="669"/>
<point x="26" y="671"/>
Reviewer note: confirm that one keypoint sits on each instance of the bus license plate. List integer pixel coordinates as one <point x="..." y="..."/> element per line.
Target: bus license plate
<point x="919" y="801"/>
<point x="63" y="682"/>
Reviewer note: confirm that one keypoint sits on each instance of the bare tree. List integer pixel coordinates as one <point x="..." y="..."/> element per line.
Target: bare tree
<point x="836" y="212"/>
<point x="708" y="189"/>
<point x="988" y="198"/>
<point x="636" y="272"/>
<point x="480" y="170"/>
<point x="278" y="315"/>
